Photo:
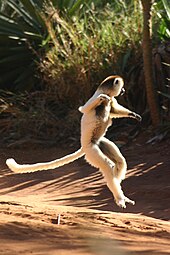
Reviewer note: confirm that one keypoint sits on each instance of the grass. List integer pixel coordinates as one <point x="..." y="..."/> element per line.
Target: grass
<point x="89" y="48"/>
<point x="82" y="51"/>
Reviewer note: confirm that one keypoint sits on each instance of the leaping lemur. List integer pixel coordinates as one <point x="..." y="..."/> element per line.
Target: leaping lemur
<point x="98" y="150"/>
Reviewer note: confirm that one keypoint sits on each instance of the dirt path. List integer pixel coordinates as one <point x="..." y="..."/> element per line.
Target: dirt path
<point x="71" y="211"/>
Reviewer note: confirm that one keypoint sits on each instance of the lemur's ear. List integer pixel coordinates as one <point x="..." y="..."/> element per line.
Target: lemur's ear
<point x="116" y="81"/>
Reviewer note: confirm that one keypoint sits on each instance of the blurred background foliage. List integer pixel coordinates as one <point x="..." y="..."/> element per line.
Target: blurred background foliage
<point x="54" y="53"/>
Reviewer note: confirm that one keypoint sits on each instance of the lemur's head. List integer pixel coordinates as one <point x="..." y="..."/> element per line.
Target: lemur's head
<point x="113" y="86"/>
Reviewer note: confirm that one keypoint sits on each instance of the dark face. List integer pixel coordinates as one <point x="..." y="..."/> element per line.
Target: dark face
<point x="113" y="85"/>
<point x="122" y="92"/>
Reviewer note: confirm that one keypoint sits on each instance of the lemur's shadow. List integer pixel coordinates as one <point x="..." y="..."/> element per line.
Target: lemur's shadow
<point x="81" y="185"/>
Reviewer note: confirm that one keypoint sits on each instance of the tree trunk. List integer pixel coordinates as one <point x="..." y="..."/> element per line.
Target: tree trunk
<point x="147" y="60"/>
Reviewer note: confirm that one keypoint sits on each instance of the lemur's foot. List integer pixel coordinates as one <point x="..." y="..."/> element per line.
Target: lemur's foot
<point x="122" y="202"/>
<point x="128" y="200"/>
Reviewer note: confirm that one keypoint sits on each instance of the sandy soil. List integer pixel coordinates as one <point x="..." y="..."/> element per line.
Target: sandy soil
<point x="70" y="210"/>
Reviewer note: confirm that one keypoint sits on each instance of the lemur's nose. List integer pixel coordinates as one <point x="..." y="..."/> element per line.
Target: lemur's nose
<point x="122" y="91"/>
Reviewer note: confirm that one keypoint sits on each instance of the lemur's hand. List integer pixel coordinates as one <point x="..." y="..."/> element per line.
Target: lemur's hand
<point x="104" y="97"/>
<point x="135" y="116"/>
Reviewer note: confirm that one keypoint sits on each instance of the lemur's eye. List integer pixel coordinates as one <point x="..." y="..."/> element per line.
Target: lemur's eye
<point x="116" y="82"/>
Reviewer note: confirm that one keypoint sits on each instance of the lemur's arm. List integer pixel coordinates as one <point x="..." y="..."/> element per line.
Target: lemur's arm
<point x="118" y="111"/>
<point x="93" y="102"/>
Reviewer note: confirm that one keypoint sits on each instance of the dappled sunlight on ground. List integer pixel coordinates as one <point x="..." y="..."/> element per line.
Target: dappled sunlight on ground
<point x="31" y="204"/>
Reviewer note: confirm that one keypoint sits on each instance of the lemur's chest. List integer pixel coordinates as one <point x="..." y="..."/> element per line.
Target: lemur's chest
<point x="94" y="124"/>
<point x="102" y="112"/>
<point x="103" y="121"/>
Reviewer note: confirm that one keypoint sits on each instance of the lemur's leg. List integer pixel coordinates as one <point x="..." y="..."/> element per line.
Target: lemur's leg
<point x="98" y="159"/>
<point x="113" y="153"/>
<point x="93" y="102"/>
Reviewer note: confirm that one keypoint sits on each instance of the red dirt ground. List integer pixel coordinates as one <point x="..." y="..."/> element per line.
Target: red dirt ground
<point x="70" y="210"/>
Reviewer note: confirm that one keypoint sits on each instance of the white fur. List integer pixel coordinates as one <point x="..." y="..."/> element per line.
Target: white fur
<point x="27" y="168"/>
<point x="113" y="173"/>
<point x="110" y="161"/>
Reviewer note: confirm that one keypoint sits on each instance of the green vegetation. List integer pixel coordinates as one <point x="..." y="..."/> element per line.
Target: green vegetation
<point x="67" y="37"/>
<point x="59" y="51"/>
<point x="22" y="31"/>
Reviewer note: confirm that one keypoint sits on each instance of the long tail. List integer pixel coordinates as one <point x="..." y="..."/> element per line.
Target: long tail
<point x="17" y="168"/>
